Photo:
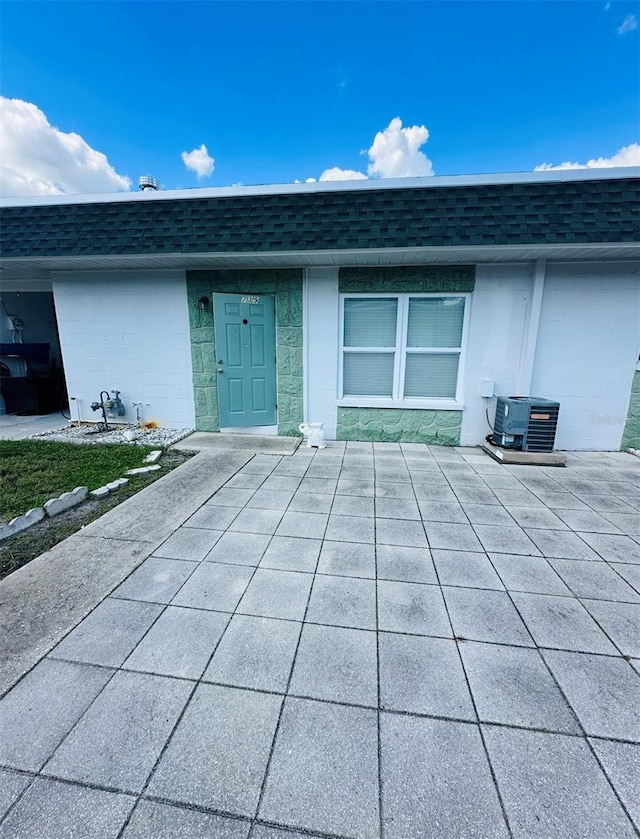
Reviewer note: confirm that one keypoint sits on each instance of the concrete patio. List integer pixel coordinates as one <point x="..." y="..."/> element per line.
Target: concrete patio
<point x="397" y="641"/>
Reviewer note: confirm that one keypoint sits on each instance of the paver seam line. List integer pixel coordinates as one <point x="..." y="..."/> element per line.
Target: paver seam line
<point x="288" y="685"/>
<point x="110" y="592"/>
<point x="378" y="714"/>
<point x="475" y="708"/>
<point x="198" y="681"/>
<point x="359" y="628"/>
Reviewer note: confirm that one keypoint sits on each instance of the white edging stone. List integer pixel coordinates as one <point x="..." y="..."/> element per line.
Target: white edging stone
<point x="101" y="492"/>
<point x="156" y="454"/>
<point x="119" y="482"/>
<point x="66" y="501"/>
<point x="30" y="518"/>
<point x="142" y="469"/>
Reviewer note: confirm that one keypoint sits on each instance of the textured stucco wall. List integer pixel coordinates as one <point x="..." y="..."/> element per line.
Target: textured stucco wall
<point x="286" y="286"/>
<point x="394" y="425"/>
<point x="631" y="436"/>
<point x="406" y="279"/>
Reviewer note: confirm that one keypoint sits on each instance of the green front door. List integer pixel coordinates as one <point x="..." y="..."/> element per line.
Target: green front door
<point x="245" y="335"/>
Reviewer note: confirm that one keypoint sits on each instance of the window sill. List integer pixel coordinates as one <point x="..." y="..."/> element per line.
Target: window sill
<point x="401" y="404"/>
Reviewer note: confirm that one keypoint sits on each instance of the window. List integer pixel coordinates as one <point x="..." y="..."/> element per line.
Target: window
<point x="402" y="348"/>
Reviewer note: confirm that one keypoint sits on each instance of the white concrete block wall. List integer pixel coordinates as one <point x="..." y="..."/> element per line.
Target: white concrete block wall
<point x="499" y="309"/>
<point x="127" y="330"/>
<point x="321" y="341"/>
<point x="587" y="349"/>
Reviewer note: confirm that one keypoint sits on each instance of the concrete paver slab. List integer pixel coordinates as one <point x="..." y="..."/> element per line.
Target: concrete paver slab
<point x="291" y="553"/>
<point x="43" y="707"/>
<point x="409" y="534"/>
<point x="217" y="757"/>
<point x="413" y="608"/>
<point x="353" y="505"/>
<point x="467" y="569"/>
<point x="511" y="685"/>
<point x="120" y="737"/>
<point x="602" y="691"/>
<point x="180" y="643"/>
<point x="52" y="810"/>
<point x="613" y="548"/>
<point x="528" y="573"/>
<point x="350" y="529"/>
<point x="426" y="765"/>
<point x="236" y="548"/>
<point x="257" y="521"/>
<point x="336" y="664"/>
<point x="309" y="525"/>
<point x="277" y="594"/>
<point x="156" y="580"/>
<point x="621" y="762"/>
<point x="210" y="517"/>
<point x="452" y="537"/>
<point x="324" y="771"/>
<point x="11" y="786"/>
<point x="255" y="653"/>
<point x="343" y="601"/>
<point x="214" y="586"/>
<point x="423" y="676"/>
<point x="561" y="623"/>
<point x="621" y="622"/>
<point x="348" y="559"/>
<point x="409" y="565"/>
<point x="484" y="615"/>
<point x="552" y="785"/>
<point x="152" y="820"/>
<point x="594" y="579"/>
<point x="109" y="634"/>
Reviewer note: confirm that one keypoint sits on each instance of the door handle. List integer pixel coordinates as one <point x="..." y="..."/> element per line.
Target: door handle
<point x="220" y="370"/>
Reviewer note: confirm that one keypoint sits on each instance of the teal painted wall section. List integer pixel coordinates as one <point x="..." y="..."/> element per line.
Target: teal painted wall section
<point x="395" y="425"/>
<point x="417" y="278"/>
<point x="286" y="286"/>
<point x="631" y="435"/>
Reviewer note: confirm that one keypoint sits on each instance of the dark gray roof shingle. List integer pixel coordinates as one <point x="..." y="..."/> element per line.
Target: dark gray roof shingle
<point x="571" y="212"/>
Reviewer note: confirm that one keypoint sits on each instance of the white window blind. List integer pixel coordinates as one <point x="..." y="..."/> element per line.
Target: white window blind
<point x="402" y="347"/>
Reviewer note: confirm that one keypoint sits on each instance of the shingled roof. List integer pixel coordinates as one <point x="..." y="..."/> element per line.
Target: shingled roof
<point x="544" y="213"/>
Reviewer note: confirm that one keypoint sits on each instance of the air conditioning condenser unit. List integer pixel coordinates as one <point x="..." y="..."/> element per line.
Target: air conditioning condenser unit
<point x="525" y="423"/>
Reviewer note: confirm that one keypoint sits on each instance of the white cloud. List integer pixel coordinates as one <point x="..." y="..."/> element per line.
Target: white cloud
<point x="395" y="152"/>
<point x="199" y="161"/>
<point x="626" y="156"/>
<point x="628" y="25"/>
<point x="338" y="174"/>
<point x="39" y="159"/>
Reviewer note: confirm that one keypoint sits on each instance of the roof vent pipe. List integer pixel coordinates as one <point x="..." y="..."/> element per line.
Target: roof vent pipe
<point x="146" y="182"/>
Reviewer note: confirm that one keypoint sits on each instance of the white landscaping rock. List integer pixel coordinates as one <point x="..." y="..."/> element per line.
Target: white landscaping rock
<point x="142" y="469"/>
<point x="20" y="523"/>
<point x="153" y="456"/>
<point x="119" y="482"/>
<point x="66" y="501"/>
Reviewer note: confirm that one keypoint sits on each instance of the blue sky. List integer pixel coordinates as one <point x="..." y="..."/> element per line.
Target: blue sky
<point x="284" y="91"/>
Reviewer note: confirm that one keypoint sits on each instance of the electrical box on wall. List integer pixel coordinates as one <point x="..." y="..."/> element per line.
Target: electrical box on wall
<point x="487" y="387"/>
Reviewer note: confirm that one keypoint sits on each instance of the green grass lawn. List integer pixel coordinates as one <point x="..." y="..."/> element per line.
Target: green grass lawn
<point x="32" y="471"/>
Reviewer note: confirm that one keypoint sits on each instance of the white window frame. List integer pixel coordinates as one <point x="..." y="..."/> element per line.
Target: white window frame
<point x="397" y="400"/>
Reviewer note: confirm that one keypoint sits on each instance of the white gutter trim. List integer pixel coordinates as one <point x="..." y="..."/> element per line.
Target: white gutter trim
<point x="632" y="247"/>
<point x="546" y="176"/>
<point x="530" y="339"/>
